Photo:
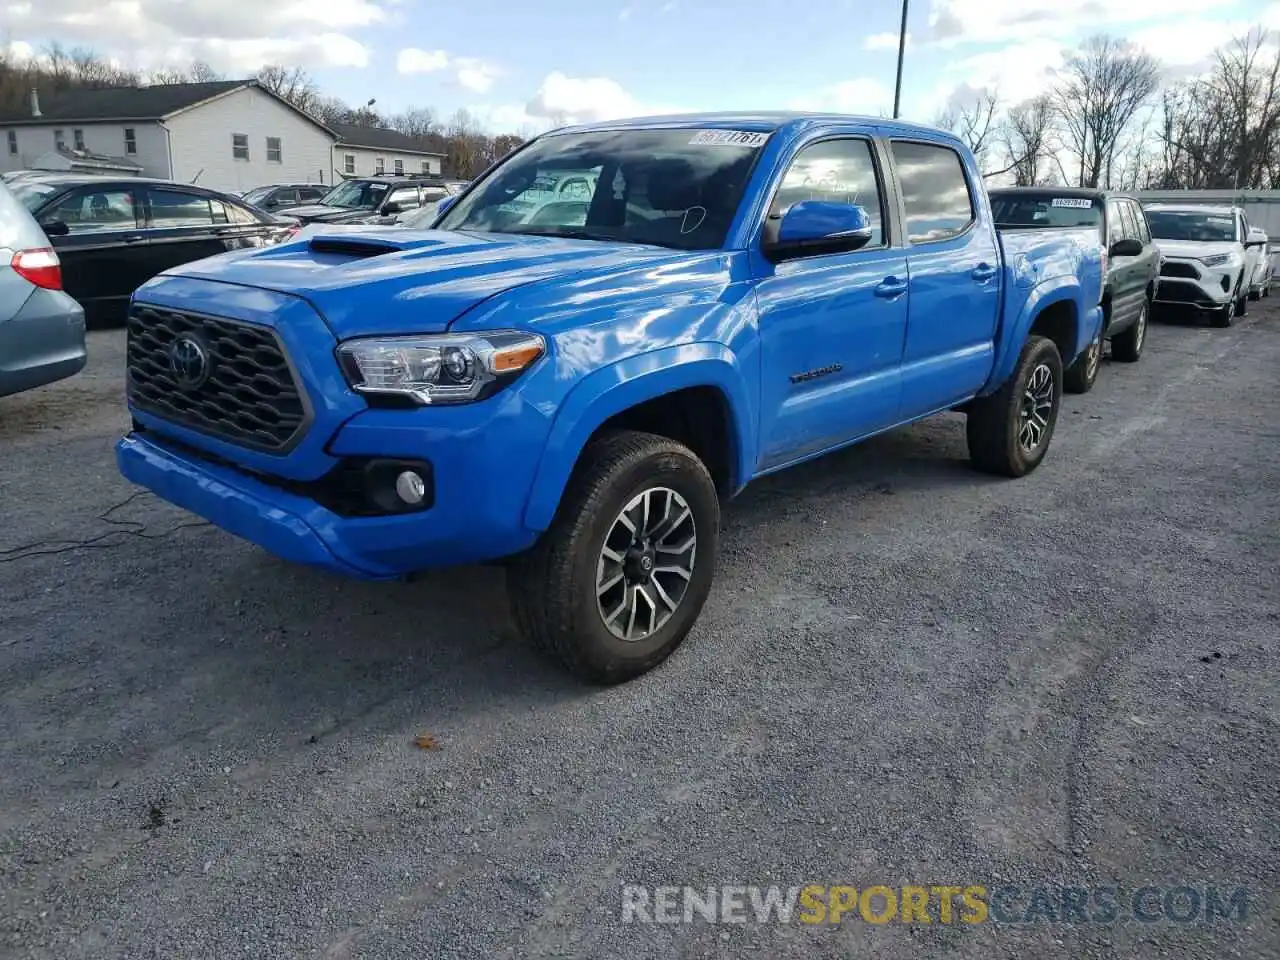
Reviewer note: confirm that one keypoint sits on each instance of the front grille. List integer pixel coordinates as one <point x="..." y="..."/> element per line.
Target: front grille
<point x="234" y="383"/>
<point x="1173" y="268"/>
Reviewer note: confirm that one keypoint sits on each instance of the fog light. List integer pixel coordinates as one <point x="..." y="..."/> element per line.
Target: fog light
<point x="411" y="488"/>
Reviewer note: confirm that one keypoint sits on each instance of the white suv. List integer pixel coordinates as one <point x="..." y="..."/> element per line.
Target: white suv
<point x="1207" y="258"/>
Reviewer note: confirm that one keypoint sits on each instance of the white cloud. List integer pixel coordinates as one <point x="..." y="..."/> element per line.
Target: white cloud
<point x="1188" y="42"/>
<point x="994" y="21"/>
<point x="413" y="60"/>
<point x="563" y="99"/>
<point x="476" y="75"/>
<point x="864" y="95"/>
<point x="232" y="35"/>
<point x="883" y="41"/>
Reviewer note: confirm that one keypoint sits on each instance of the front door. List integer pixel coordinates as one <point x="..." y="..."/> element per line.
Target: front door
<point x="831" y="325"/>
<point x="955" y="264"/>
<point x="104" y="250"/>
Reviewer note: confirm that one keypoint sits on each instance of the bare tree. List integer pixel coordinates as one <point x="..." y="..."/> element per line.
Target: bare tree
<point x="1222" y="131"/>
<point x="1106" y="82"/>
<point x="418" y="122"/>
<point x="1026" y="136"/>
<point x="972" y="117"/>
<point x="290" y="83"/>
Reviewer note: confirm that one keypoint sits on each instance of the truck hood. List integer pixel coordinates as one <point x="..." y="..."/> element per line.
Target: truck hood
<point x="1195" y="249"/>
<point x="370" y="281"/>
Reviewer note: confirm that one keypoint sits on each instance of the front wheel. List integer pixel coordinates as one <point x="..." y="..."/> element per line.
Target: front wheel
<point x="1009" y="431"/>
<point x="1083" y="374"/>
<point x="617" y="581"/>
<point x="1127" y="347"/>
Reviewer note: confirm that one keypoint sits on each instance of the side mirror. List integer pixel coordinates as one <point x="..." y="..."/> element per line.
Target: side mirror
<point x="444" y="205"/>
<point x="817" y="226"/>
<point x="1128" y="247"/>
<point x="55" y="228"/>
<point x="1255" y="243"/>
<point x="392" y="208"/>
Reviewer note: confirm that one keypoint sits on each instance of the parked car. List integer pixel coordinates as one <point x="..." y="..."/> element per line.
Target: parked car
<point x="1133" y="261"/>
<point x="284" y="195"/>
<point x="112" y="235"/>
<point x="372" y="200"/>
<point x="419" y="218"/>
<point x="41" y="328"/>
<point x="1206" y="258"/>
<point x="1260" y="285"/>
<point x="578" y="398"/>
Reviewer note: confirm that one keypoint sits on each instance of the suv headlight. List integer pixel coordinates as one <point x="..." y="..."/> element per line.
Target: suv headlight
<point x="1221" y="260"/>
<point x="441" y="368"/>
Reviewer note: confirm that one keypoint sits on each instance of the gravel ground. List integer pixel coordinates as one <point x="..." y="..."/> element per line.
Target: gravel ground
<point x="906" y="673"/>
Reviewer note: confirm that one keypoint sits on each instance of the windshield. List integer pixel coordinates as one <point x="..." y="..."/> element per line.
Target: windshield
<point x="1190" y="225"/>
<point x="256" y="195"/>
<point x="421" y="218"/>
<point x="670" y="188"/>
<point x="356" y="194"/>
<point x="32" y="193"/>
<point x="1045" y="210"/>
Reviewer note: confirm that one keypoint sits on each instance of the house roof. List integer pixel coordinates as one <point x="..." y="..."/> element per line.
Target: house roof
<point x="378" y="138"/>
<point x="114" y="104"/>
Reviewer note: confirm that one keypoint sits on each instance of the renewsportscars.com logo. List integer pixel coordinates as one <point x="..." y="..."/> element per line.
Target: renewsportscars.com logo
<point x="910" y="903"/>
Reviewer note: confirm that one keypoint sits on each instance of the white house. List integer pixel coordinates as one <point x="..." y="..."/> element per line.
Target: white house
<point x="231" y="135"/>
<point x="368" y="151"/>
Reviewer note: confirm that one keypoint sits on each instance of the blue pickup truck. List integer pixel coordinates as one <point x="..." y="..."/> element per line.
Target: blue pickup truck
<point x="573" y="384"/>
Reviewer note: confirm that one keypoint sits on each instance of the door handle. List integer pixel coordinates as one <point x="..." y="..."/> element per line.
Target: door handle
<point x="983" y="272"/>
<point x="134" y="239"/>
<point x="890" y="287"/>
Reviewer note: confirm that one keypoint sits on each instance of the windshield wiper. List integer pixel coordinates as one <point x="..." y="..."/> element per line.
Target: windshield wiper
<point x="573" y="234"/>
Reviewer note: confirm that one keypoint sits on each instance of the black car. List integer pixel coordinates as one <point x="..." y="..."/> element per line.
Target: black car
<point x="279" y="195"/>
<point x="113" y="235"/>
<point x="363" y="200"/>
<point x="1133" y="261"/>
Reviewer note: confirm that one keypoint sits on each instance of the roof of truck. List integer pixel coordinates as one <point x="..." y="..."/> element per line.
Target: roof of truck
<point x="759" y="121"/>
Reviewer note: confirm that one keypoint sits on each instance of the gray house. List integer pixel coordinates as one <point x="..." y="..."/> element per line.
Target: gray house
<point x="230" y="135"/>
<point x="366" y="151"/>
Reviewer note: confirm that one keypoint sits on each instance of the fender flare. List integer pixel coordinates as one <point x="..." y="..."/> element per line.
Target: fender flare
<point x="1040" y="298"/>
<point x="628" y="383"/>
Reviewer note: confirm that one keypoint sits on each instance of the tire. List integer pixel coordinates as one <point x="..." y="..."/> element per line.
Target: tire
<point x="1223" y="317"/>
<point x="1083" y="374"/>
<point x="1255" y="294"/>
<point x="1242" y="298"/>
<point x="1127" y="346"/>
<point x="553" y="588"/>
<point x="996" y="422"/>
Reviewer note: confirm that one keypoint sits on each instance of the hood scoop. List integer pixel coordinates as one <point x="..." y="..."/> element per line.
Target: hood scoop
<point x="357" y="247"/>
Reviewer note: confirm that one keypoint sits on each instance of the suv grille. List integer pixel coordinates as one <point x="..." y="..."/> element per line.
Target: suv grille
<point x="1173" y="268"/>
<point x="225" y="378"/>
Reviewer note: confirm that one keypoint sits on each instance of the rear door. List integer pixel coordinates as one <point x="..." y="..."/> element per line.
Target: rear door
<point x="954" y="262"/>
<point x="104" y="252"/>
<point x="1127" y="273"/>
<point x="182" y="226"/>
<point x="1147" y="266"/>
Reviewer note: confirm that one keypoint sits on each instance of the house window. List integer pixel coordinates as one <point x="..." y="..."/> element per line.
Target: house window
<point x="273" y="150"/>
<point x="426" y="167"/>
<point x="59" y="140"/>
<point x="399" y="168"/>
<point x="240" y="146"/>
<point x="349" y="163"/>
<point x="130" y="141"/>
<point x="379" y="166"/>
<point x="78" y="136"/>
<point x="13" y="142"/>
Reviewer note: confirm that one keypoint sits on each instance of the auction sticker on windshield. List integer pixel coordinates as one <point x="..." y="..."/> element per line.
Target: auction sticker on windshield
<point x="730" y="138"/>
<point x="1077" y="202"/>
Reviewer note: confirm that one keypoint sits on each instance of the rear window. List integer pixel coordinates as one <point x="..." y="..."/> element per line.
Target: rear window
<point x="1045" y="210"/>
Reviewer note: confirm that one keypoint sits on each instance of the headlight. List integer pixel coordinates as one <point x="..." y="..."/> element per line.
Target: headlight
<point x="1221" y="260"/>
<point x="445" y="368"/>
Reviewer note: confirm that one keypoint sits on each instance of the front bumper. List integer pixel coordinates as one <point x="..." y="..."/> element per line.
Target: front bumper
<point x="475" y="514"/>
<point x="1201" y="288"/>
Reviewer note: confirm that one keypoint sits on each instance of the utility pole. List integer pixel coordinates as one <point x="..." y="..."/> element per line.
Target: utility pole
<point x="902" y="49"/>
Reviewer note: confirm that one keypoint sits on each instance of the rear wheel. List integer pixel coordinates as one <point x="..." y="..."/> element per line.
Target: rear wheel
<point x="617" y="581"/>
<point x="1010" y="430"/>
<point x="1127" y="346"/>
